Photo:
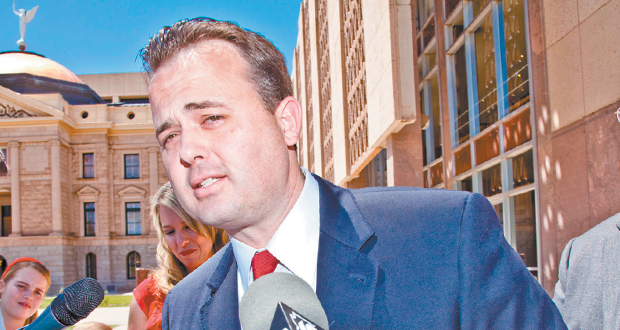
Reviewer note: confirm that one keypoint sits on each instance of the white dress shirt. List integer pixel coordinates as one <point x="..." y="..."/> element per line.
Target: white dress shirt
<point x="295" y="244"/>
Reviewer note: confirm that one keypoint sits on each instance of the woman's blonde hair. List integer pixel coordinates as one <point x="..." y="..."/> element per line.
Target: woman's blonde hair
<point x="169" y="269"/>
<point x="15" y="266"/>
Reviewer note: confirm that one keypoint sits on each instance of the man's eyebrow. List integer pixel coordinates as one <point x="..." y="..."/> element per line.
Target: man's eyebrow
<point x="189" y="108"/>
<point x="202" y="105"/>
<point x="162" y="128"/>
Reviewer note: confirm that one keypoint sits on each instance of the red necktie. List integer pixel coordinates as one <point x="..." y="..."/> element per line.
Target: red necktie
<point x="263" y="263"/>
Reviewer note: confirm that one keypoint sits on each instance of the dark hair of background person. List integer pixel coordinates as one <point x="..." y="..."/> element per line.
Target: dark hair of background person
<point x="267" y="65"/>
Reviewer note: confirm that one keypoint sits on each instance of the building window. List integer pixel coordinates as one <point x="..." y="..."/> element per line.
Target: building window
<point x="132" y="215"/>
<point x="88" y="165"/>
<point x="132" y="166"/>
<point x="89" y="219"/>
<point x="133" y="262"/>
<point x="492" y="181"/>
<point x="516" y="54"/>
<point x="376" y="175"/>
<point x="525" y="228"/>
<point x="91" y="265"/>
<point x="465" y="184"/>
<point x="6" y="220"/>
<point x="4" y="153"/>
<point x="490" y="117"/>
<point x="485" y="67"/>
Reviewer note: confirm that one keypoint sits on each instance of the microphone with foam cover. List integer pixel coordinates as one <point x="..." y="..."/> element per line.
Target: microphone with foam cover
<point x="280" y="295"/>
<point x="75" y="303"/>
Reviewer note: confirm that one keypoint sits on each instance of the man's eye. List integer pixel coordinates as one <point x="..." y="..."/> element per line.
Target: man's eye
<point x="213" y="118"/>
<point x="168" y="138"/>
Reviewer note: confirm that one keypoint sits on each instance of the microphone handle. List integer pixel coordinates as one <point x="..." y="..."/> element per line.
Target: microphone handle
<point x="46" y="321"/>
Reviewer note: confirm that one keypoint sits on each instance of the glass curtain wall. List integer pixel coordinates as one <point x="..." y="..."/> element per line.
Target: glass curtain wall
<point x="429" y="91"/>
<point x="490" y="120"/>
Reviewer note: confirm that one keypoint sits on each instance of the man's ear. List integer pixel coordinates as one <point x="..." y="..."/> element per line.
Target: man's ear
<point x="2" y="287"/>
<point x="288" y="116"/>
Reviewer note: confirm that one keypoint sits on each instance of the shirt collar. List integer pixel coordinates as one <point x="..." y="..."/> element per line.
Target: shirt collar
<point x="295" y="243"/>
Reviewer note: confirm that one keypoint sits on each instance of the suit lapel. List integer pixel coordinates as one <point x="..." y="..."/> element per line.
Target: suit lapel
<point x="221" y="308"/>
<point x="346" y="277"/>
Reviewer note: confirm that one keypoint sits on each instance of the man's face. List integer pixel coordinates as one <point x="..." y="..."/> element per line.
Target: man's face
<point x="225" y="154"/>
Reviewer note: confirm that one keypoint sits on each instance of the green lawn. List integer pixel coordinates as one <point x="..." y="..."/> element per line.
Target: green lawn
<point x="109" y="301"/>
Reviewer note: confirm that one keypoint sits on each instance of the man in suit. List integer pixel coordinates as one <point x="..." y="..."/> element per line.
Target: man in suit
<point x="588" y="293"/>
<point x="397" y="258"/>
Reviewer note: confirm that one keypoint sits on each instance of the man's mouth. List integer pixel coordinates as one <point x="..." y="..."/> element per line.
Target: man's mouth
<point x="208" y="182"/>
<point x="187" y="252"/>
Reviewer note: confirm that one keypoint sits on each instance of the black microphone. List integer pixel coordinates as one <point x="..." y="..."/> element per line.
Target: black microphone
<point x="69" y="307"/>
<point x="281" y="301"/>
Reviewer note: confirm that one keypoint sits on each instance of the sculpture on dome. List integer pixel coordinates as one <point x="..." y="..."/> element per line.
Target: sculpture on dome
<point x="24" y="18"/>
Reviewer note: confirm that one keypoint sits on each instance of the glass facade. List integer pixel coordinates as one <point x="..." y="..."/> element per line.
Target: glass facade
<point x="491" y="152"/>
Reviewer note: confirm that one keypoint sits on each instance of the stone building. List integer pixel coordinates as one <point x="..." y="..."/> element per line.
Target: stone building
<point x="84" y="160"/>
<point x="511" y="99"/>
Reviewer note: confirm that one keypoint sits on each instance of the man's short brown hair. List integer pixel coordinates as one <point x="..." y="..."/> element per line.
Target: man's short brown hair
<point x="267" y="65"/>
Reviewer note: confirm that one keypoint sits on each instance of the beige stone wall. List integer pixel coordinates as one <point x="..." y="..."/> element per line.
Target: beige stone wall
<point x="36" y="207"/>
<point x="65" y="173"/>
<point x="117" y="84"/>
<point x="583" y="57"/>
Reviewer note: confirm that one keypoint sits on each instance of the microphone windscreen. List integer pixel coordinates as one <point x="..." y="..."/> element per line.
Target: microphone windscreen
<point x="261" y="299"/>
<point x="77" y="301"/>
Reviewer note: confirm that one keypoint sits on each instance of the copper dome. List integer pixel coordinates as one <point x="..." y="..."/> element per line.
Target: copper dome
<point x="35" y="64"/>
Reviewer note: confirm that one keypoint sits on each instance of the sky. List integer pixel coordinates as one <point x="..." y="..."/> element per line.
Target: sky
<point x="105" y="36"/>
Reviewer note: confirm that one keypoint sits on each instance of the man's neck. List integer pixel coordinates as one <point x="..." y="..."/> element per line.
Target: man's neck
<point x="260" y="233"/>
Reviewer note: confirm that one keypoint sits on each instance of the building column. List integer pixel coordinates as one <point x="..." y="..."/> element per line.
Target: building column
<point x="404" y="157"/>
<point x="16" y="223"/>
<point x="153" y="180"/>
<point x="56" y="191"/>
<point x="111" y="218"/>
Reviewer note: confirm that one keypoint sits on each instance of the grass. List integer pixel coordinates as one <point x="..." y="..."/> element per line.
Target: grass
<point x="108" y="301"/>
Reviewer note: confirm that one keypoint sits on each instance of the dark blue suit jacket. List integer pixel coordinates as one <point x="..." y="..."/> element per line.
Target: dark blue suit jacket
<point x="392" y="258"/>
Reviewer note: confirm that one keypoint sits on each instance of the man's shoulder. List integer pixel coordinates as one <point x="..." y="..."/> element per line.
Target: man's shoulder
<point x="599" y="235"/>
<point x="409" y="199"/>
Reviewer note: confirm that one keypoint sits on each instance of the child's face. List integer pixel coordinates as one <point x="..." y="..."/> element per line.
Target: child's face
<point x="23" y="294"/>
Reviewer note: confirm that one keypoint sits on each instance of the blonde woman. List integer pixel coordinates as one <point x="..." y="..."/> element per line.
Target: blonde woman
<point x="184" y="244"/>
<point x="22" y="289"/>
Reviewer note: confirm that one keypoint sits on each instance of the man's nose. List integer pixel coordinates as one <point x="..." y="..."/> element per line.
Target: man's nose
<point x="192" y="148"/>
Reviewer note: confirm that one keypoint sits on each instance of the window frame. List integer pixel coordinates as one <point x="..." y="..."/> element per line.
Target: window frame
<point x="89" y="266"/>
<point x="139" y="212"/>
<point x="84" y="166"/>
<point x="137" y="260"/>
<point x="5" y="151"/>
<point x="126" y="167"/>
<point x="94" y="224"/>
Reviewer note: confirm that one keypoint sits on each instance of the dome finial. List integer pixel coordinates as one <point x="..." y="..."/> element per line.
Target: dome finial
<point x="24" y="18"/>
